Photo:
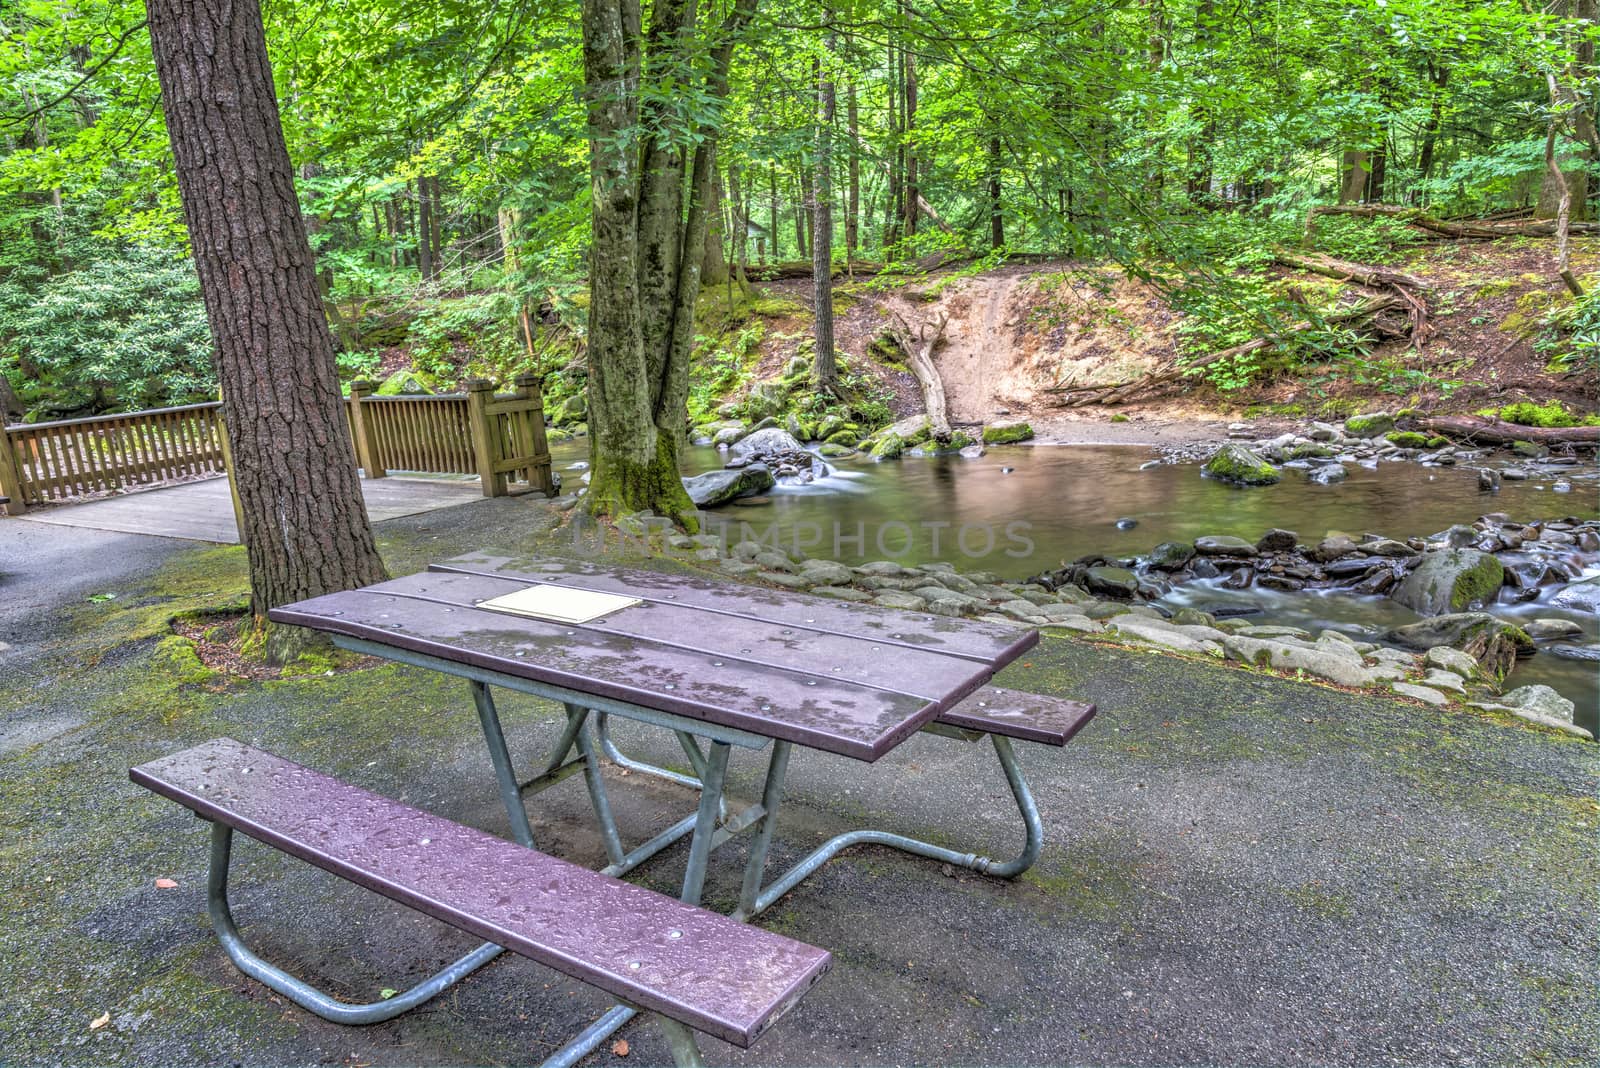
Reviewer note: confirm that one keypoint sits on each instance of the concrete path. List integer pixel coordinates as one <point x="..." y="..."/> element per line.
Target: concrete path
<point x="202" y="511"/>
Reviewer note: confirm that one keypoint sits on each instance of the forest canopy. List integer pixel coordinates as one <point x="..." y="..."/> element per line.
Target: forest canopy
<point x="441" y="148"/>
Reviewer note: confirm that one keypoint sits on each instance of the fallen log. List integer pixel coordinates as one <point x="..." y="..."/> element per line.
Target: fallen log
<point x="1477" y="231"/>
<point x="1119" y="392"/>
<point x="1488" y="431"/>
<point x="1345" y="271"/>
<point x="918" y="345"/>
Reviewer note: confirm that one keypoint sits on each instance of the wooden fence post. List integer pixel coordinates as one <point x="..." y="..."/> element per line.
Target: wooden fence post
<point x="364" y="432"/>
<point x="485" y="440"/>
<point x="10" y="480"/>
<point x="530" y="387"/>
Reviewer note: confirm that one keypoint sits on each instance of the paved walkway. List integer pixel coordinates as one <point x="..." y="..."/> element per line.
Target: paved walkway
<point x="202" y="511"/>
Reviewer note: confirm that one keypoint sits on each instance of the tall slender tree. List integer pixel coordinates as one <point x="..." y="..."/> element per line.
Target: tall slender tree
<point x="305" y="526"/>
<point x="825" y="367"/>
<point x="651" y="171"/>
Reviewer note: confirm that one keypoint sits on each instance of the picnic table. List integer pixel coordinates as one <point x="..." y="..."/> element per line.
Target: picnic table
<point x="722" y="666"/>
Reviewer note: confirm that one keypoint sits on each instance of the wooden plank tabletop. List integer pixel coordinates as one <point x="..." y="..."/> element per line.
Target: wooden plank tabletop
<point x="849" y="679"/>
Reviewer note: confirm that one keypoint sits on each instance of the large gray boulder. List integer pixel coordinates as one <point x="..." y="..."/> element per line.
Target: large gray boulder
<point x="772" y="441"/>
<point x="1584" y="596"/>
<point x="1450" y="580"/>
<point x="720" y="487"/>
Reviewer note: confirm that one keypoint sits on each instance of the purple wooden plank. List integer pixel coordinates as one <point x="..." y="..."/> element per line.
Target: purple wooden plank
<point x="719" y="976"/>
<point x="1028" y="717"/>
<point x="833" y="715"/>
<point x="929" y="675"/>
<point x="989" y="643"/>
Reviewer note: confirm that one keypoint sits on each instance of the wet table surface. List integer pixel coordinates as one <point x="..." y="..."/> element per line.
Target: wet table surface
<point x="843" y="678"/>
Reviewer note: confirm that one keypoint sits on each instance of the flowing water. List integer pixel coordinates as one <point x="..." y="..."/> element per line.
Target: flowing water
<point x="1022" y="509"/>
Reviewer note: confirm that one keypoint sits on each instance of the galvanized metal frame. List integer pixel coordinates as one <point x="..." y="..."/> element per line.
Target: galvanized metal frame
<point x="680" y="1038"/>
<point x="709" y="827"/>
<point x="754" y="899"/>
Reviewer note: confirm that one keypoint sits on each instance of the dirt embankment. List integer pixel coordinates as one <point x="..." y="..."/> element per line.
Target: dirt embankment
<point x="1012" y="335"/>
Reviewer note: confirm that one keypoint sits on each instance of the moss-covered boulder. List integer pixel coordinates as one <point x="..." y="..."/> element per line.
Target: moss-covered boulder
<point x="1171" y="555"/>
<point x="1369" y="425"/>
<point x="1493" y="643"/>
<point x="888" y="447"/>
<point x="846" y="435"/>
<point x="831" y="450"/>
<point x="405" y="383"/>
<point x="1408" y="439"/>
<point x="1310" y="451"/>
<point x="766" y="399"/>
<point x="1449" y="580"/>
<point x="1007" y="432"/>
<point x="1241" y="467"/>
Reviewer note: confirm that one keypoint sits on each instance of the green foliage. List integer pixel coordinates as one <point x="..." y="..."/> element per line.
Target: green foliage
<point x="722" y="366"/>
<point x="1572" y="335"/>
<point x="1550" y="414"/>
<point x="126" y="330"/>
<point x="1379" y="240"/>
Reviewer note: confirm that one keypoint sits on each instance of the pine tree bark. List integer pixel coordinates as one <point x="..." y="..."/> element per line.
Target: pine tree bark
<point x="305" y="527"/>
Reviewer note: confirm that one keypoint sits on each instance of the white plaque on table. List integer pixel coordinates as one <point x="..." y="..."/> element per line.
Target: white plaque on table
<point x="560" y="604"/>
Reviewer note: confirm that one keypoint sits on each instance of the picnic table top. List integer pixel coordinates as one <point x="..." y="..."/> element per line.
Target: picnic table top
<point x="844" y="678"/>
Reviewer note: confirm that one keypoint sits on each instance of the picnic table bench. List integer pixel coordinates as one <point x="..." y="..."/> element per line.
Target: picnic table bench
<point x="723" y="667"/>
<point x="696" y="969"/>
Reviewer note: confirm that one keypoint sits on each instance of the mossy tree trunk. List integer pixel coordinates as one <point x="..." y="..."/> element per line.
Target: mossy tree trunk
<point x="304" y="524"/>
<point x="652" y="186"/>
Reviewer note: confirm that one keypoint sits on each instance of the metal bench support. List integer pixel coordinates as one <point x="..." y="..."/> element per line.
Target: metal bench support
<point x="754" y="899"/>
<point x="301" y="993"/>
<point x="680" y="1039"/>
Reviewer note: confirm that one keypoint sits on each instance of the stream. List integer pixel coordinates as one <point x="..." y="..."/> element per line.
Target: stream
<point x="1019" y="510"/>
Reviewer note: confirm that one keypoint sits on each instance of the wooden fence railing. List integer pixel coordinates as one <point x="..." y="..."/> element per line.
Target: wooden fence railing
<point x="45" y="462"/>
<point x="499" y="438"/>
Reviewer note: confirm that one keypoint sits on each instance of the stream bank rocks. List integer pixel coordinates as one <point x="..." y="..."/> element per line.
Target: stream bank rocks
<point x="1455" y="658"/>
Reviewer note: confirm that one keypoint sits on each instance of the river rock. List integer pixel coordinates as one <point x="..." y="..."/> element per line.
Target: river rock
<point x="1549" y="630"/>
<point x="1238" y="465"/>
<point x="1171" y="555"/>
<point x="1276" y="541"/>
<point x="1333" y="547"/>
<point x="1427" y="695"/>
<point x="1223" y="545"/>
<point x="1116" y="582"/>
<point x="1488" y="480"/>
<point x="1323" y="663"/>
<point x="720" y="487"/>
<point x="1590" y="653"/>
<point x="771" y="441"/>
<point x="900" y="599"/>
<point x="1165" y="635"/>
<point x="1493" y="643"/>
<point x="1449" y="580"/>
<point x="1369" y="425"/>
<point x="1583" y="595"/>
<point x="1541" y="700"/>
<point x="827" y="572"/>
<point x="1006" y="432"/>
<point x="1440" y="679"/>
<point x="1444" y="658"/>
<point x="1328" y="474"/>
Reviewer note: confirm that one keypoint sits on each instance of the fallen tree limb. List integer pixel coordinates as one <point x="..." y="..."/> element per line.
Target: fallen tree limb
<point x="1345" y="271"/>
<point x="1478" y="230"/>
<point x="1489" y="431"/>
<point x="1119" y="392"/>
<point x="918" y="345"/>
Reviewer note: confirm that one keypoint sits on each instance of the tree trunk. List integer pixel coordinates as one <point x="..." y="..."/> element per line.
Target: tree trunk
<point x="741" y="229"/>
<point x="852" y="218"/>
<point x="997" y="222"/>
<point x="824" y="366"/>
<point x="772" y="210"/>
<point x="714" y="262"/>
<point x="424" y="231"/>
<point x="918" y="344"/>
<point x="646" y="243"/>
<point x="1493" y="432"/>
<point x="1353" y="176"/>
<point x="912" y="191"/>
<point x="305" y="527"/>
